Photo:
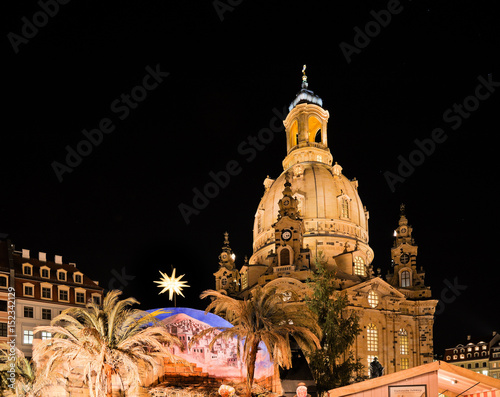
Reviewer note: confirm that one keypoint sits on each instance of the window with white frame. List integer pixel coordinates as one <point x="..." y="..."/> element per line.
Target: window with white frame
<point x="28" y="337"/>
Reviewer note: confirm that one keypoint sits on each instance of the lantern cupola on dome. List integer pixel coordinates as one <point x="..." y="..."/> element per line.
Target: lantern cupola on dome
<point x="305" y="126"/>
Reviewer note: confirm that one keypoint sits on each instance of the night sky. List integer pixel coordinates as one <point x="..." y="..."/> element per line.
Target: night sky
<point x="220" y="72"/>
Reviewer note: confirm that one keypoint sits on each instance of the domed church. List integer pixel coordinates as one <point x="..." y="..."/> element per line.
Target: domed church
<point x="313" y="209"/>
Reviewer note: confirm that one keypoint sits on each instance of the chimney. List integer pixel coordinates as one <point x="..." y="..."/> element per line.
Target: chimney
<point x="468" y="337"/>
<point x="26" y="254"/>
<point x="58" y="259"/>
<point x="42" y="257"/>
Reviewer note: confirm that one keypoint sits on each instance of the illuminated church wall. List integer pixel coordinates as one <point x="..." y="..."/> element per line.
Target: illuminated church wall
<point x="312" y="208"/>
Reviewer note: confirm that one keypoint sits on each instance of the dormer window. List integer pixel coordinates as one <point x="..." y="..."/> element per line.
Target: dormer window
<point x="61" y="275"/>
<point x="78" y="278"/>
<point x="44" y="272"/>
<point x="27" y="269"/>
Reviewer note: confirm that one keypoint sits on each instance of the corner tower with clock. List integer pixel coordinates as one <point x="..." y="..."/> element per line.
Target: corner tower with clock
<point x="404" y="261"/>
<point x="227" y="278"/>
<point x="289" y="231"/>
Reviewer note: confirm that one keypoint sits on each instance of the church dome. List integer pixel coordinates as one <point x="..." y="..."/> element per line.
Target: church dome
<point x="335" y="220"/>
<point x="328" y="203"/>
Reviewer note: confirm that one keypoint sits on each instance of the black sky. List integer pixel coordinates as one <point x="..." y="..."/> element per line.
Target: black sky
<point x="117" y="212"/>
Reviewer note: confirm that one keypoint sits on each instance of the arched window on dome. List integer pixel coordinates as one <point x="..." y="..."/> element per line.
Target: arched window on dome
<point x="345" y="208"/>
<point x="317" y="139"/>
<point x="259" y="222"/>
<point x="405" y="279"/>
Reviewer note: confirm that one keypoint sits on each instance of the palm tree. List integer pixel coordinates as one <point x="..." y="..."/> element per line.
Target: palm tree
<point x="106" y="341"/>
<point x="270" y="315"/>
<point x="28" y="382"/>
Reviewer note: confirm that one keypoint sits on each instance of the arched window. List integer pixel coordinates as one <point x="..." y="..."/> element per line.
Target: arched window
<point x="345" y="208"/>
<point x="259" y="222"/>
<point x="405" y="279"/>
<point x="403" y="341"/>
<point x="373" y="298"/>
<point x="314" y="127"/>
<point x="359" y="266"/>
<point x="284" y="257"/>
<point x="372" y="338"/>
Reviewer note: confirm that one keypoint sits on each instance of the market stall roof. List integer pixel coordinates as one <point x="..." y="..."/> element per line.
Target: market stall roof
<point x="451" y="382"/>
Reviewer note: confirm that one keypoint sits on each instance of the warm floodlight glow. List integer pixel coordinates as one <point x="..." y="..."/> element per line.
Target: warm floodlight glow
<point x="171" y="284"/>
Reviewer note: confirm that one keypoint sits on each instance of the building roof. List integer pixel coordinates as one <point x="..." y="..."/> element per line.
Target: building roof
<point x="451" y="380"/>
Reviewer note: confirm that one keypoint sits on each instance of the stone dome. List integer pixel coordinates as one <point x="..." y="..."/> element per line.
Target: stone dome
<point x="335" y="220"/>
<point x="329" y="204"/>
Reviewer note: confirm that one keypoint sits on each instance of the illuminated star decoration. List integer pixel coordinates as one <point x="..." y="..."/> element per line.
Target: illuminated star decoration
<point x="171" y="284"/>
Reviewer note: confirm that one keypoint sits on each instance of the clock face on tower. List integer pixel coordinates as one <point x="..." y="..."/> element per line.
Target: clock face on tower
<point x="405" y="258"/>
<point x="286" y="202"/>
<point x="286" y="234"/>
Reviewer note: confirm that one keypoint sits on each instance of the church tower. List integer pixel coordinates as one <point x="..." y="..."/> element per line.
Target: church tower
<point x="405" y="274"/>
<point x="227" y="278"/>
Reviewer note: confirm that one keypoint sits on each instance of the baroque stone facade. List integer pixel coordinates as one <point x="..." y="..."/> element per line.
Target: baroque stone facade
<point x="312" y="209"/>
